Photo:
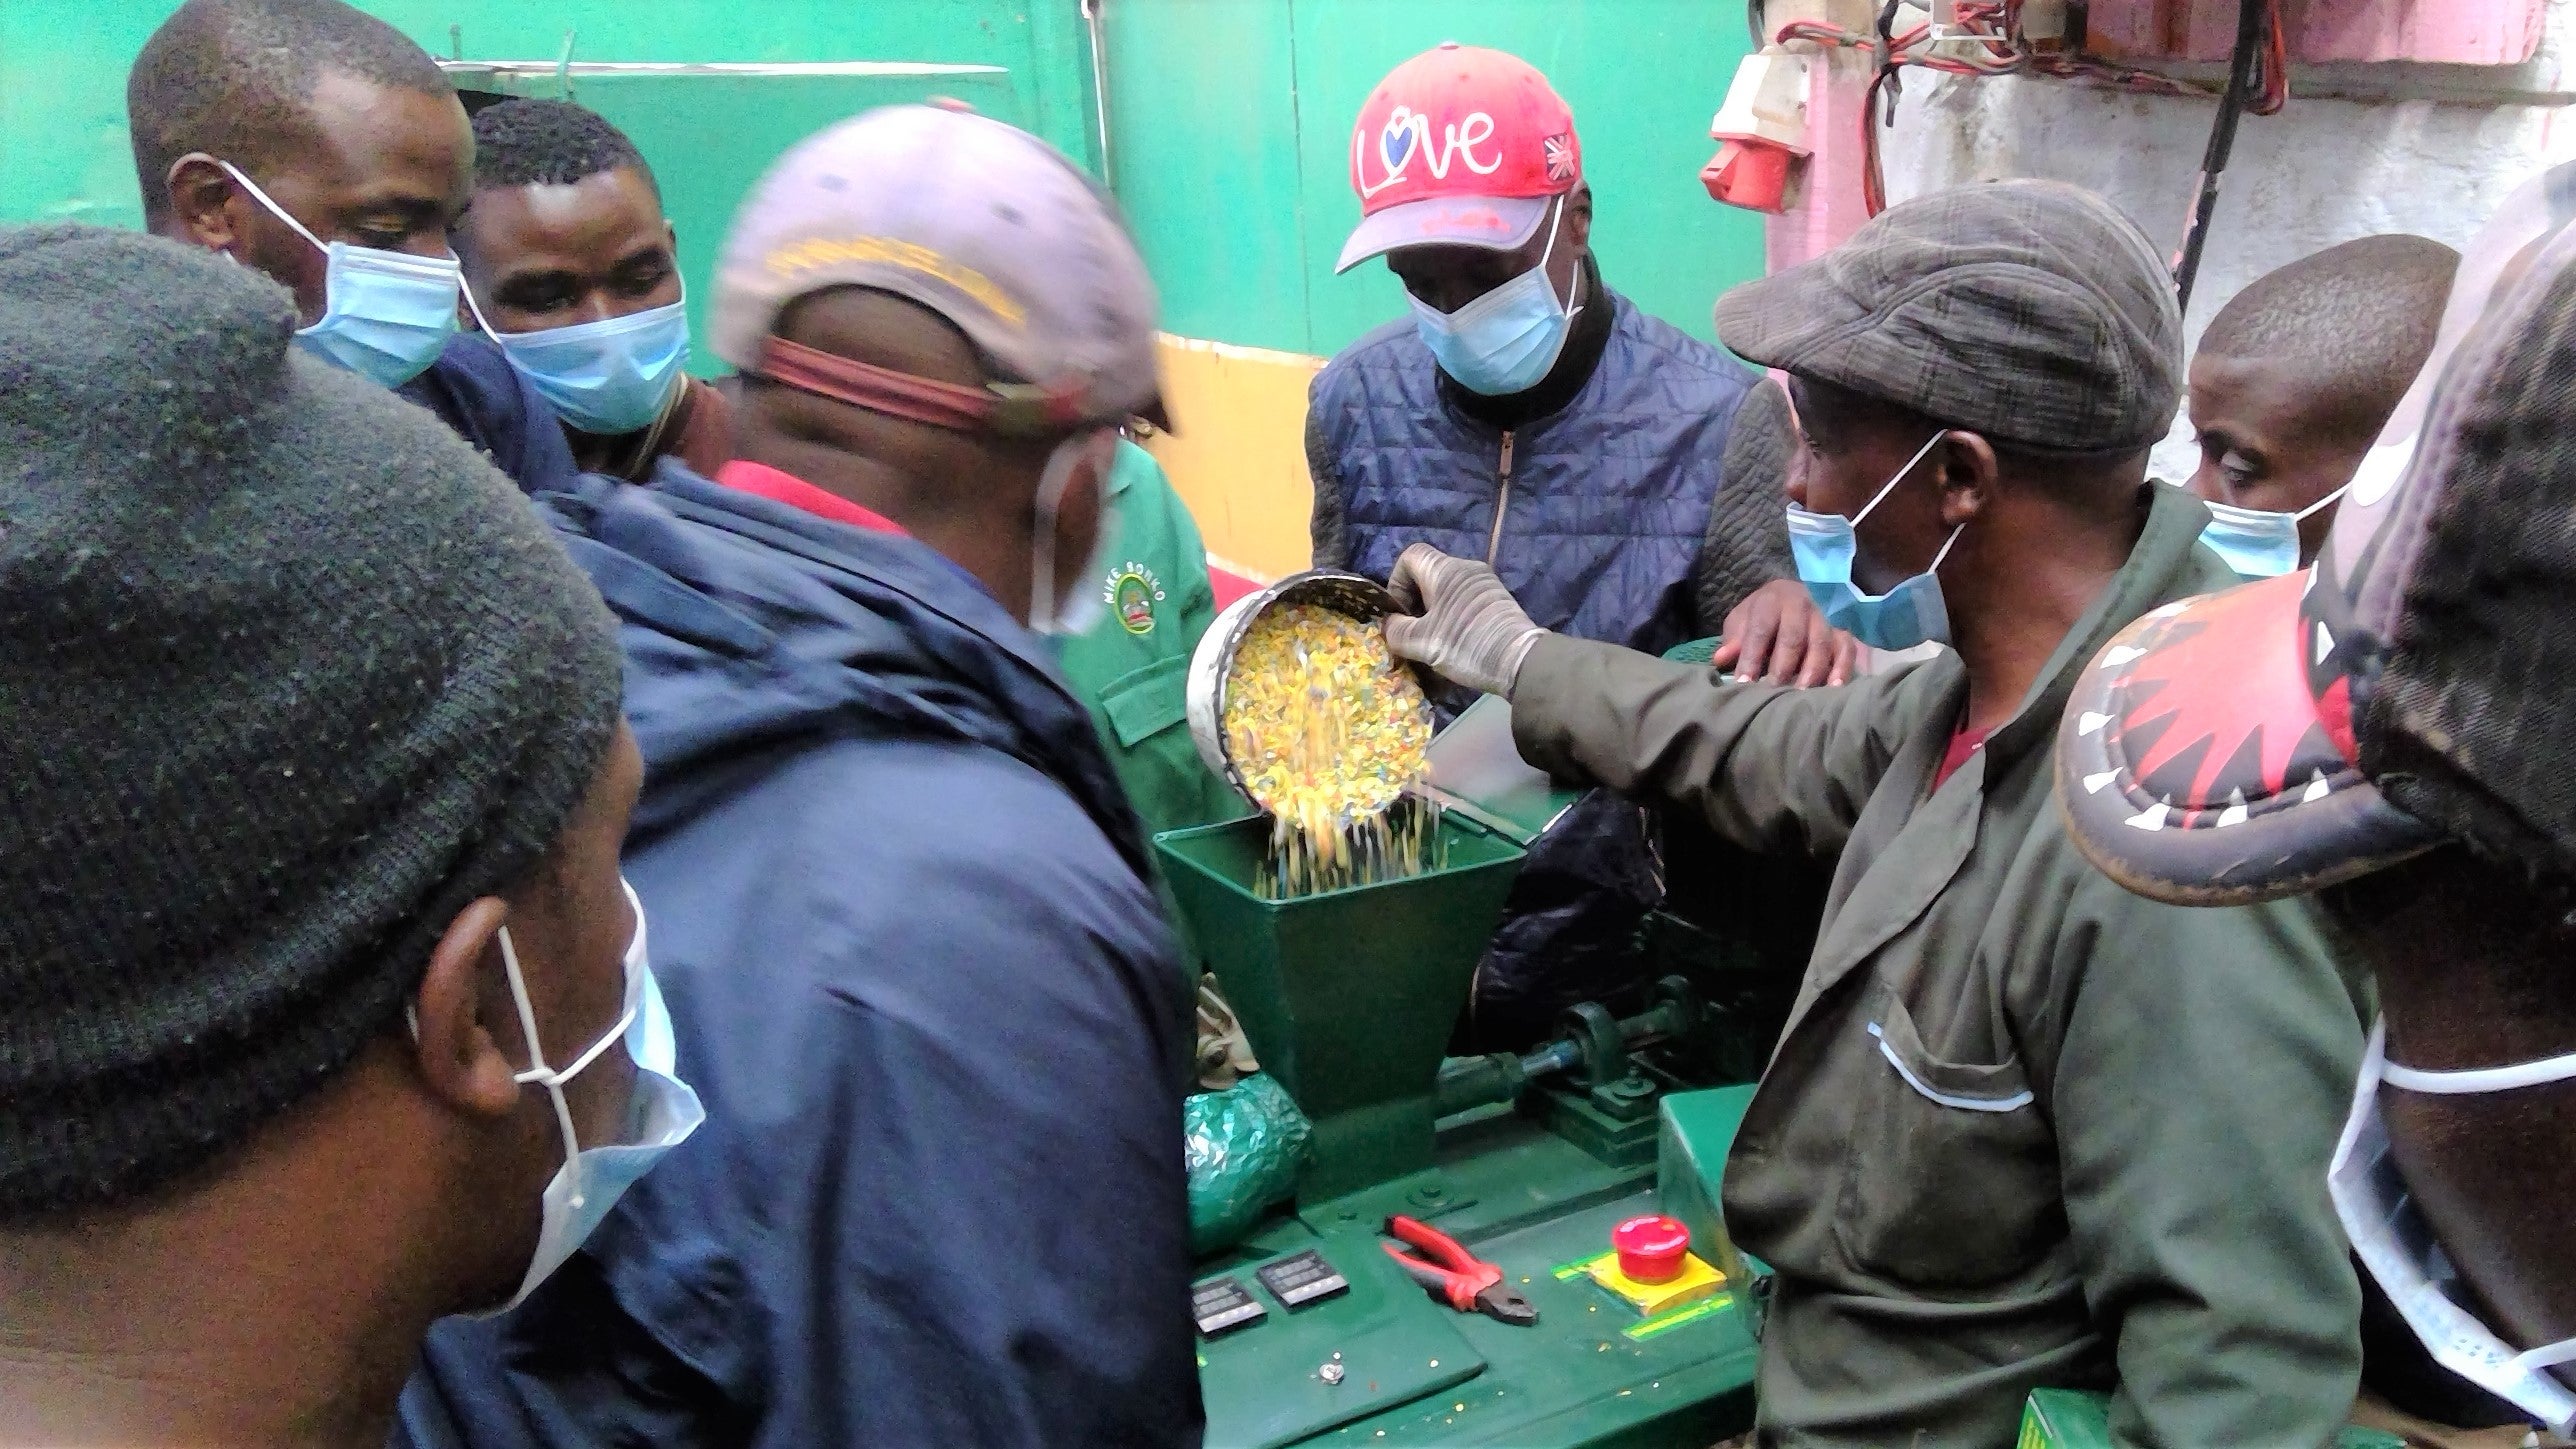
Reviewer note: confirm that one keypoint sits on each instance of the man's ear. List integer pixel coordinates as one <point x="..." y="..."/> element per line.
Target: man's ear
<point x="202" y="201"/>
<point x="1968" y="473"/>
<point x="458" y="1045"/>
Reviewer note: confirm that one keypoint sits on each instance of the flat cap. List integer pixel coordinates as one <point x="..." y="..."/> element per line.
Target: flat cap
<point x="2029" y="311"/>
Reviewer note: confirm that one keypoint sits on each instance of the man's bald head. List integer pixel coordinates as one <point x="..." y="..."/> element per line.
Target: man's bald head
<point x="235" y="79"/>
<point x="2357" y="319"/>
<point x="2297" y="374"/>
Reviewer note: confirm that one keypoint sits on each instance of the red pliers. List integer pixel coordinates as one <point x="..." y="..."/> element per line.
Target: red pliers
<point x="1466" y="1282"/>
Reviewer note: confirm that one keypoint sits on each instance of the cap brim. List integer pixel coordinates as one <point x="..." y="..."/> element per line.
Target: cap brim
<point x="1496" y="223"/>
<point x="2202" y="759"/>
<point x="1775" y="321"/>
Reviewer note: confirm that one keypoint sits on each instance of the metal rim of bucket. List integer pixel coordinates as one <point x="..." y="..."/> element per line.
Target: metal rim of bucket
<point x="1212" y="663"/>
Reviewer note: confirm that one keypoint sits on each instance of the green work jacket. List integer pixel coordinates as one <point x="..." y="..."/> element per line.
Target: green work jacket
<point x="1132" y="667"/>
<point x="2023" y="1128"/>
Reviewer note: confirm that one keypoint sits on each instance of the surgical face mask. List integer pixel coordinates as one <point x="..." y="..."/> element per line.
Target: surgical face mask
<point x="607" y="377"/>
<point x="1825" y="544"/>
<point x="660" y="1116"/>
<point x="2255" y="542"/>
<point x="1073" y="608"/>
<point x="1506" y="340"/>
<point x="386" y="315"/>
<point x="2397" y="1246"/>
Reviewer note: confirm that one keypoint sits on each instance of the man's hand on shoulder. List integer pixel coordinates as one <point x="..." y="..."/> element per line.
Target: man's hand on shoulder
<point x="1779" y="636"/>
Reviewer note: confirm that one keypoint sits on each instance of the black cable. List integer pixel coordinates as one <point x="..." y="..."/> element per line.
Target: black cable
<point x="2252" y="17"/>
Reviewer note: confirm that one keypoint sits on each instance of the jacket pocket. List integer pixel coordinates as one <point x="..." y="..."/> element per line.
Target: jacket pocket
<point x="1147" y="701"/>
<point x="1950" y="1180"/>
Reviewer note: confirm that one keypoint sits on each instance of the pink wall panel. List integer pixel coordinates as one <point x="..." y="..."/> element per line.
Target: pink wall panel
<point x="2462" y="32"/>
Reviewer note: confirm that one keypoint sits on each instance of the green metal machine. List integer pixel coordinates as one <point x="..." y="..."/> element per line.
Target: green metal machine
<point x="1530" y="1160"/>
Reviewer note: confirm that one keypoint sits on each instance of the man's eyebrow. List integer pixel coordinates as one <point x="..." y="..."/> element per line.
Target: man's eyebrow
<point x="655" y="250"/>
<point x="409" y="205"/>
<point x="546" y="279"/>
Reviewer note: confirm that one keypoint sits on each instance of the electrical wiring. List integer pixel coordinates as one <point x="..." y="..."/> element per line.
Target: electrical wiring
<point x="2251" y="52"/>
<point x="1987" y="42"/>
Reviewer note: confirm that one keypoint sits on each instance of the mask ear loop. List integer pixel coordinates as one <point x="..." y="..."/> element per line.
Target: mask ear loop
<point x="1899" y="477"/>
<point x="552" y="1079"/>
<point x="275" y="210"/>
<point x="2302" y="515"/>
<point x="476" y="308"/>
<point x="1556" y="228"/>
<point x="1043" y="606"/>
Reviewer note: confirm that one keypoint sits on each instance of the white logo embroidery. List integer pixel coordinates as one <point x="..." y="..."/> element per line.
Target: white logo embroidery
<point x="1407" y="134"/>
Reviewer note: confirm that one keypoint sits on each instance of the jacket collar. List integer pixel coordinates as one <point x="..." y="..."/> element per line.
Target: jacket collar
<point x="2161" y="567"/>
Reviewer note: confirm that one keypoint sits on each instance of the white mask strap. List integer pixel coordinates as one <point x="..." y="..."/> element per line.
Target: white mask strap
<point x="2302" y="514"/>
<point x="1555" y="225"/>
<point x="1945" y="548"/>
<point x="1554" y="217"/>
<point x="1899" y="477"/>
<point x="1044" y="606"/>
<point x="2480" y="1080"/>
<point x="274" y="209"/>
<point x="475" y="307"/>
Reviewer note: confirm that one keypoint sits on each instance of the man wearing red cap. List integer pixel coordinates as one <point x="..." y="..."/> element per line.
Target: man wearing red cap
<point x="1526" y="415"/>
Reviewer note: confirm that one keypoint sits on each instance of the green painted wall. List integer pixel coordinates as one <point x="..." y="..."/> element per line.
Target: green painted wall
<point x="64" y="152"/>
<point x="62" y="69"/>
<point x="1229" y="124"/>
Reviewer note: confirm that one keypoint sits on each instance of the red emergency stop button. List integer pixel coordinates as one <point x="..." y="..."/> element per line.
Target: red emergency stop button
<point x="1651" y="1248"/>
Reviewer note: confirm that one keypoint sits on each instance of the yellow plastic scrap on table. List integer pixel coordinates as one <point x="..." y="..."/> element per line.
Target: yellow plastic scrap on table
<point x="1328" y="731"/>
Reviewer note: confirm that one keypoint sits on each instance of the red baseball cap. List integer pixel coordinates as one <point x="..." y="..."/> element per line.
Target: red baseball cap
<point x="1459" y="146"/>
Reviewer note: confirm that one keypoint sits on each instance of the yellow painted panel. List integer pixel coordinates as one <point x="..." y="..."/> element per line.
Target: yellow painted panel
<point x="1238" y="458"/>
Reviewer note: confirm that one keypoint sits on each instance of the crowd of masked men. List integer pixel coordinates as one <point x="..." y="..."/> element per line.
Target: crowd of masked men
<point x="549" y="901"/>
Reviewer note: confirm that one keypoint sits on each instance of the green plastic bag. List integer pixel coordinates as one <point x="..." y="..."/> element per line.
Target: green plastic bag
<point x="1245" y="1146"/>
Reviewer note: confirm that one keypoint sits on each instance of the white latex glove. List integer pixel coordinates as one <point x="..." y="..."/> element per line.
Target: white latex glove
<point x="1463" y="624"/>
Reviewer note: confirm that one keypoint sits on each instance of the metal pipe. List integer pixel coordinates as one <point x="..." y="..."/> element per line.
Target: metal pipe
<point x="2251" y="16"/>
<point x="1099" y="84"/>
<point x="1466" y="1082"/>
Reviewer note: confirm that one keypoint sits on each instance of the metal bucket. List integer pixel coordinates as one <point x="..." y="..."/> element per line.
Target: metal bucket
<point x="1357" y="595"/>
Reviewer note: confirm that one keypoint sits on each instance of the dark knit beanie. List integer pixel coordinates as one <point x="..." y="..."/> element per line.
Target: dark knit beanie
<point x="288" y="676"/>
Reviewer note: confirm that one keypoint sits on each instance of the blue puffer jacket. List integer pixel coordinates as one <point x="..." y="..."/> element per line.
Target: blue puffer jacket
<point x="1607" y="503"/>
<point x="1596" y="516"/>
<point x="900" y="914"/>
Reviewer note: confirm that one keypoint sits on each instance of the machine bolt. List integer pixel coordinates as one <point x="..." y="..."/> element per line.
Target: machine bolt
<point x="1631" y="1088"/>
<point x="1429" y="1195"/>
<point x="1330" y="1373"/>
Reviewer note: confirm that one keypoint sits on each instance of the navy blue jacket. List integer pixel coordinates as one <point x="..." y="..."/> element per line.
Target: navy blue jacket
<point x="475" y="390"/>
<point x="900" y="913"/>
<point x="1605" y="534"/>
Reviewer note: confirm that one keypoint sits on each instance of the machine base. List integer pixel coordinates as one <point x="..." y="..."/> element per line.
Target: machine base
<point x="1386" y="1364"/>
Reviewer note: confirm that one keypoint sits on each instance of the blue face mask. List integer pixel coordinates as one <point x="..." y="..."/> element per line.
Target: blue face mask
<point x="1504" y="341"/>
<point x="386" y="315"/>
<point x="607" y="377"/>
<point x="661" y="1114"/>
<point x="2255" y="542"/>
<point x="1824" y="545"/>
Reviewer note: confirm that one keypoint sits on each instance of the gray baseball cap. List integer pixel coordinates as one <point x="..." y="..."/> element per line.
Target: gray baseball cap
<point x="2030" y="311"/>
<point x="977" y="220"/>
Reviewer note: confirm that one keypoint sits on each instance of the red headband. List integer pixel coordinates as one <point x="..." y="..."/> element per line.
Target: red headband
<point x="1011" y="408"/>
